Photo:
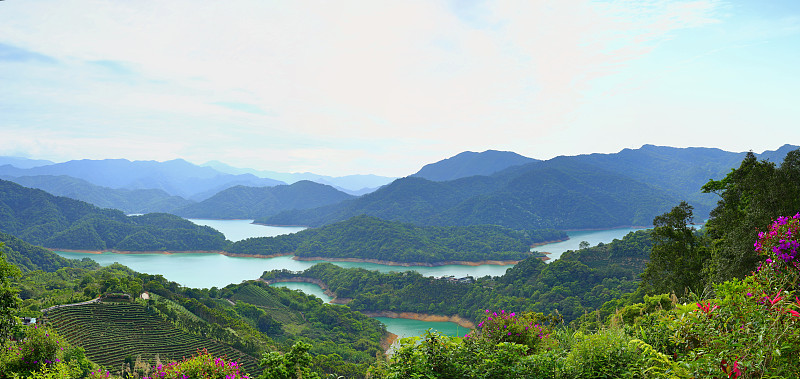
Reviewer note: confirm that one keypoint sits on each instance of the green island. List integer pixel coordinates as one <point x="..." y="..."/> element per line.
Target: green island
<point x="365" y="237"/>
<point x="673" y="302"/>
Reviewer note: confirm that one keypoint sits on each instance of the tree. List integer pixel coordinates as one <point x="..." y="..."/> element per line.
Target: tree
<point x="751" y="196"/>
<point x="677" y="255"/>
<point x="9" y="301"/>
<point x="294" y="364"/>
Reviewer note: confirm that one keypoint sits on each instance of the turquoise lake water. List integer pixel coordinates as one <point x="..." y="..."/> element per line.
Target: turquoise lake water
<point x="215" y="270"/>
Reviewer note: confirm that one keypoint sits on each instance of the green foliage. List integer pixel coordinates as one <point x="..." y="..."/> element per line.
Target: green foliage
<point x="9" y="302"/>
<point x="295" y="364"/>
<point x="438" y="356"/>
<point x="28" y="257"/>
<point x="242" y="202"/>
<point x="560" y="194"/>
<point x="678" y="254"/>
<point x="42" y="353"/>
<point x="111" y="332"/>
<point x="526" y="329"/>
<point x="567" y="286"/>
<point x="751" y="196"/>
<point x="58" y="222"/>
<point x="203" y="365"/>
<point x="126" y="200"/>
<point x="367" y="237"/>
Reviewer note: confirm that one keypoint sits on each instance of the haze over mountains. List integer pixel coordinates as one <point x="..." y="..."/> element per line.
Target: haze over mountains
<point x="492" y="187"/>
<point x="243" y="202"/>
<point x="470" y="163"/>
<point x="579" y="192"/>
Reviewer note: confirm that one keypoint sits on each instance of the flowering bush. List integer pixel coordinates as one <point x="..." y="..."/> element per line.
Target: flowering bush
<point x="525" y="329"/>
<point x="40" y="347"/>
<point x="752" y="328"/>
<point x="202" y="365"/>
<point x="779" y="247"/>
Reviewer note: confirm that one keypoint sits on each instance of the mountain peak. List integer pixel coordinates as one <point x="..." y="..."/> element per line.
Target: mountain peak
<point x="470" y="163"/>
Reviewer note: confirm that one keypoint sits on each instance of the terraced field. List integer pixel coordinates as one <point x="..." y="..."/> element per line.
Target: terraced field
<point x="109" y="332"/>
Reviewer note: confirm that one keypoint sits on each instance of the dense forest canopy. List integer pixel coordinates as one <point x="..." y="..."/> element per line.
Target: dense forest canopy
<point x="43" y="219"/>
<point x="365" y="237"/>
<point x="579" y="281"/>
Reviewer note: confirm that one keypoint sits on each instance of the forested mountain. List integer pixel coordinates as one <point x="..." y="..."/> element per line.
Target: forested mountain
<point x="31" y="258"/>
<point x="255" y="202"/>
<point x="576" y="283"/>
<point x="553" y="194"/>
<point x="128" y="201"/>
<point x="578" y="192"/>
<point x="470" y="163"/>
<point x="680" y="171"/>
<point x="365" y="237"/>
<point x="176" y="177"/>
<point x="240" y="321"/>
<point x="59" y="222"/>
<point x="356" y="185"/>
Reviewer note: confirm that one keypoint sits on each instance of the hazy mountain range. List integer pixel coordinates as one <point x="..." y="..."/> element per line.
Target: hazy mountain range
<point x="243" y="202"/>
<point x="578" y="192"/>
<point x="492" y="187"/>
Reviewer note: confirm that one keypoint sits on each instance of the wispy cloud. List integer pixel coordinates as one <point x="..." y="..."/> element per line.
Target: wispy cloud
<point x="353" y="81"/>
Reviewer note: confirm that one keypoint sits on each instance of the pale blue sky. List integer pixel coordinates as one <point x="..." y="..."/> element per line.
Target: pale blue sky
<point x="384" y="87"/>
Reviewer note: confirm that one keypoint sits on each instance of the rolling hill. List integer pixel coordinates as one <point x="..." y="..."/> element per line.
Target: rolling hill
<point x="577" y="192"/>
<point x="242" y="202"/>
<point x="40" y="218"/>
<point x="470" y="163"/>
<point x="176" y="177"/>
<point x="128" y="201"/>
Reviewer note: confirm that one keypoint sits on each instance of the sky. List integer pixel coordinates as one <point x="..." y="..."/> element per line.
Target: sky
<point x="385" y="87"/>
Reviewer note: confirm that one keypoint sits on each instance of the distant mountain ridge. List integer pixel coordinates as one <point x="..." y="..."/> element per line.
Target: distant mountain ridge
<point x="559" y="195"/>
<point x="352" y="184"/>
<point x="176" y="177"/>
<point x="40" y="218"/>
<point x="128" y="201"/>
<point x="470" y="163"/>
<point x="579" y="192"/>
<point x="243" y="202"/>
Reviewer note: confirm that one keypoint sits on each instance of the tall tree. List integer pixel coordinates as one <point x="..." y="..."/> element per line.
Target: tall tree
<point x="751" y="196"/>
<point x="9" y="301"/>
<point x="678" y="254"/>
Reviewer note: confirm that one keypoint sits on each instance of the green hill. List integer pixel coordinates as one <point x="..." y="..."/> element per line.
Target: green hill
<point x="110" y="332"/>
<point x="470" y="163"/>
<point x="577" y="192"/>
<point x="552" y="194"/>
<point x="366" y="237"/>
<point x="30" y="258"/>
<point x="126" y="200"/>
<point x="242" y="202"/>
<point x="40" y="218"/>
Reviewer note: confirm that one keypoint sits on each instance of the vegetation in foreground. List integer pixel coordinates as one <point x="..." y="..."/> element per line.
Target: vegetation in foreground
<point x="745" y="326"/>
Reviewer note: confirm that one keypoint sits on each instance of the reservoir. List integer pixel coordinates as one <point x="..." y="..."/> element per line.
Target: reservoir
<point x="204" y="270"/>
<point x="216" y="270"/>
<point x="400" y="326"/>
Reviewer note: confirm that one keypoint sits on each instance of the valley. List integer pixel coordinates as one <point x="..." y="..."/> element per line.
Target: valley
<point x="403" y="261"/>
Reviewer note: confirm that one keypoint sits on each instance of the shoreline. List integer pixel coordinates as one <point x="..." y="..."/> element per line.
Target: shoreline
<point x="462" y="322"/>
<point x="302" y="279"/>
<point x="287" y="226"/>
<point x="409" y="264"/>
<point x="354" y="260"/>
<point x="548" y="242"/>
<point x="170" y="252"/>
<point x="612" y="228"/>
<point x="387" y="341"/>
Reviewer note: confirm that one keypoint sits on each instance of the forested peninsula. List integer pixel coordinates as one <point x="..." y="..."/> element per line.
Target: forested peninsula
<point x="59" y="222"/>
<point x="370" y="238"/>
